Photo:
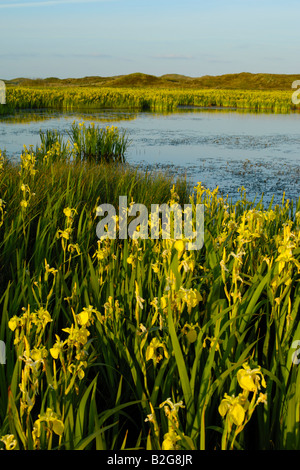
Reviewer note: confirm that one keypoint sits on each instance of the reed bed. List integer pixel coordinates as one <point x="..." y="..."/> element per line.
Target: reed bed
<point x="84" y="144"/>
<point x="139" y="343"/>
<point x="146" y="99"/>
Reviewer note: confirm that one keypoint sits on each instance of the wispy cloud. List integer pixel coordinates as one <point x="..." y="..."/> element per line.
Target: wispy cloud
<point x="277" y="59"/>
<point x="66" y="55"/>
<point x="96" y="55"/>
<point x="173" y="57"/>
<point x="18" y="55"/>
<point x="47" y="3"/>
<point x="220" y="61"/>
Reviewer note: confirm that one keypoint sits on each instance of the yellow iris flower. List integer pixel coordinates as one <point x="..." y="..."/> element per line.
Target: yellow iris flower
<point x="179" y="245"/>
<point x="231" y="406"/>
<point x="249" y="379"/>
<point x="9" y="441"/>
<point x="170" y="441"/>
<point x="69" y="213"/>
<point x="57" y="347"/>
<point x="153" y="353"/>
<point x="53" y="421"/>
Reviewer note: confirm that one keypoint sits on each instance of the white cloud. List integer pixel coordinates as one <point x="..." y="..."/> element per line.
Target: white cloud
<point x="47" y="3"/>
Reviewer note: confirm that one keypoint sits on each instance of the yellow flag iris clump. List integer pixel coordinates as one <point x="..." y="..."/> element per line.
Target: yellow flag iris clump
<point x="237" y="410"/>
<point x="97" y="333"/>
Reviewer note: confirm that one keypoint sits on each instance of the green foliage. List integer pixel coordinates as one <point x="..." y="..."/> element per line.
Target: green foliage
<point x="94" y="144"/>
<point x="118" y="344"/>
<point x="144" y="98"/>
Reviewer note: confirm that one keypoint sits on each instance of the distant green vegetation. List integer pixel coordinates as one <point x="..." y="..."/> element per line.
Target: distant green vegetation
<point x="146" y="98"/>
<point x="252" y="92"/>
<point x="235" y="81"/>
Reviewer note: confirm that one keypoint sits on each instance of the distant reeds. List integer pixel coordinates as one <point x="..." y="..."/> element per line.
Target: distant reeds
<point x="146" y="99"/>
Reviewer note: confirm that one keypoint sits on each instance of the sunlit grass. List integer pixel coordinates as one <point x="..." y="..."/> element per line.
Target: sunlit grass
<point x="125" y="343"/>
<point x="147" y="98"/>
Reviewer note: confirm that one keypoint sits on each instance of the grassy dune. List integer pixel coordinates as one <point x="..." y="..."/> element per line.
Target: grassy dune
<point x="255" y="92"/>
<point x="237" y="81"/>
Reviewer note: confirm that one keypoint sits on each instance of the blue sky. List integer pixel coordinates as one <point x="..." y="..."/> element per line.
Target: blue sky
<point x="76" y="38"/>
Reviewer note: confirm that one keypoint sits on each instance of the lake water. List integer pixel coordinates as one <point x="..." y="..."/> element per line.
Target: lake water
<point x="227" y="148"/>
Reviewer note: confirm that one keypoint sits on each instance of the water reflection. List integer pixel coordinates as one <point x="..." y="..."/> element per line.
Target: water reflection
<point x="29" y="116"/>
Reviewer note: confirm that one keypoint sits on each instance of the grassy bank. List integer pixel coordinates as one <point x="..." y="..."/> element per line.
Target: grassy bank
<point x="145" y="98"/>
<point x="125" y="343"/>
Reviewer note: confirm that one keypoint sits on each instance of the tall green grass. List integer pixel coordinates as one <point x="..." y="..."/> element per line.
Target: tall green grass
<point x="97" y="144"/>
<point x="147" y="98"/>
<point x="130" y="344"/>
<point x="84" y="144"/>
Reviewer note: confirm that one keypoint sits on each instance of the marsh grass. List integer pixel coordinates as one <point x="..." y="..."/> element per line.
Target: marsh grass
<point x="83" y="144"/>
<point x="154" y="99"/>
<point x="29" y="247"/>
<point x="98" y="144"/>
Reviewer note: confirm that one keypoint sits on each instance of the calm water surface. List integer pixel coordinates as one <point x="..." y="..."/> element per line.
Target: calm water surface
<point x="226" y="148"/>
